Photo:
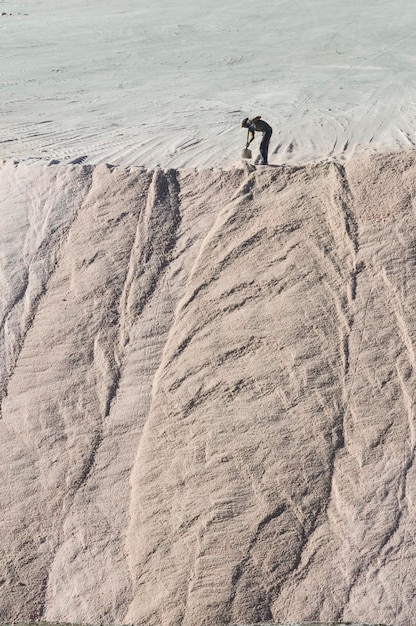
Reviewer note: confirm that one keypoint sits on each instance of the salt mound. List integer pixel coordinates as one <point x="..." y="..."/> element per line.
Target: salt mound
<point x="208" y="393"/>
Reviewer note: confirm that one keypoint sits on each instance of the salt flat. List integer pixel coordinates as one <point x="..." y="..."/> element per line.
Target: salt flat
<point x="160" y="83"/>
<point x="207" y="368"/>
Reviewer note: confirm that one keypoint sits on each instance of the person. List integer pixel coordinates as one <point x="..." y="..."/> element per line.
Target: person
<point x="259" y="125"/>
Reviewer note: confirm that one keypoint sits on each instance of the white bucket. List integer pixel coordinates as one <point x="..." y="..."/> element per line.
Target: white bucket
<point x="246" y="153"/>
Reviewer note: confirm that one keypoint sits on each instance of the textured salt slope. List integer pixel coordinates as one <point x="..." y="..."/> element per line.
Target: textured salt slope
<point x="155" y="82"/>
<point x="208" y="393"/>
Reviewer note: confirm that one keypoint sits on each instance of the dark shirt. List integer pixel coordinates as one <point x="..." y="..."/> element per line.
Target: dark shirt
<point x="259" y="125"/>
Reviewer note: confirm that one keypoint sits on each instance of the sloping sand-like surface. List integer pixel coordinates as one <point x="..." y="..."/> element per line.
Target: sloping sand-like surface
<point x="207" y="393"/>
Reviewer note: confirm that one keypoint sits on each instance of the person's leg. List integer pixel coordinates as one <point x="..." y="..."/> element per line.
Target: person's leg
<point x="264" y="147"/>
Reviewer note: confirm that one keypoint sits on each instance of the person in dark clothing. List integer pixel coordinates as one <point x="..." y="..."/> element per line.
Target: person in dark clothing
<point x="259" y="125"/>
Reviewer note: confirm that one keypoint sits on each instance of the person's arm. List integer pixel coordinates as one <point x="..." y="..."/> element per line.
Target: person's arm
<point x="249" y="132"/>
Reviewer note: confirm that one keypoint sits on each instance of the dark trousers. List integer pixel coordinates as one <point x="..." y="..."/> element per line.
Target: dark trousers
<point x="264" y="146"/>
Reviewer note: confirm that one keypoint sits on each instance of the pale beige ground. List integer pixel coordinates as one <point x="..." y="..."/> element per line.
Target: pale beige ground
<point x="208" y="394"/>
<point x="268" y="624"/>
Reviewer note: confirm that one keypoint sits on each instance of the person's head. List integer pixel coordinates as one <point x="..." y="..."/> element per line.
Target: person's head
<point x="244" y="123"/>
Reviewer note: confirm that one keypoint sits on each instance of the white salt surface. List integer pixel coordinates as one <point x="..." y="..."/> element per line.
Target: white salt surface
<point x="161" y="83"/>
<point x="207" y="378"/>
